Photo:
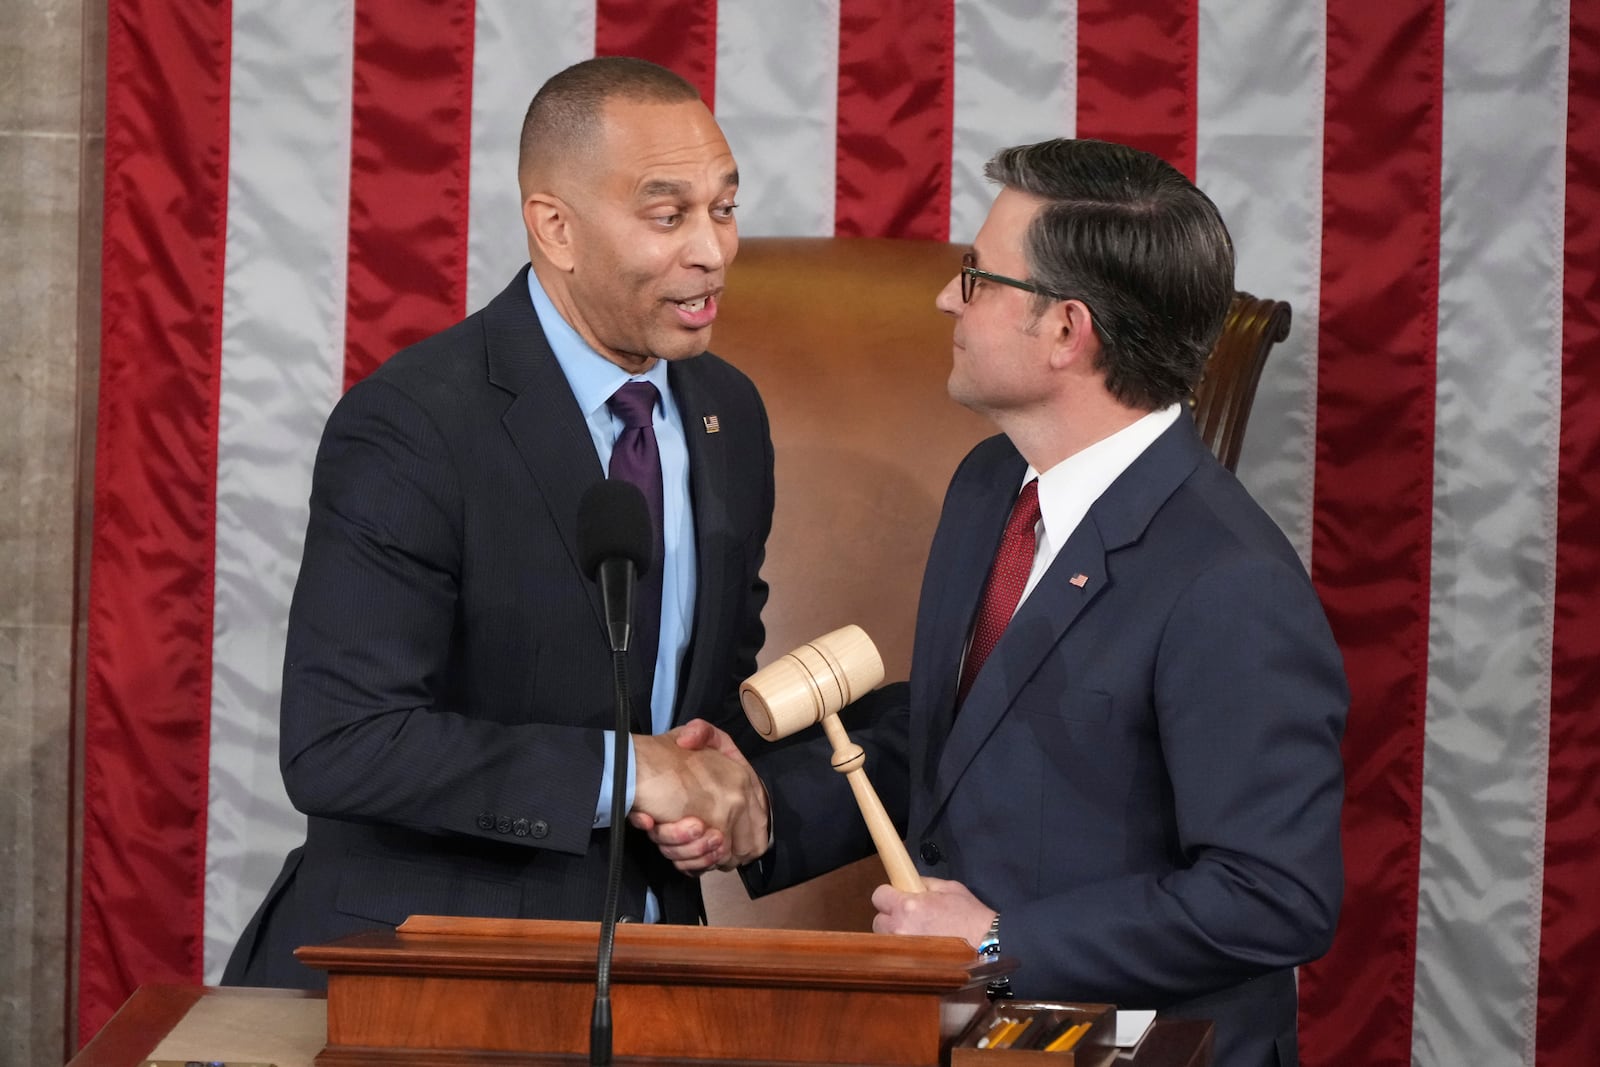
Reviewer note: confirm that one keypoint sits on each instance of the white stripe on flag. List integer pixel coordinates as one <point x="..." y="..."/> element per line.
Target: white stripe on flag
<point x="1016" y="80"/>
<point x="282" y="362"/>
<point x="1259" y="157"/>
<point x="516" y="47"/>
<point x="1495" y="454"/>
<point x="776" y="99"/>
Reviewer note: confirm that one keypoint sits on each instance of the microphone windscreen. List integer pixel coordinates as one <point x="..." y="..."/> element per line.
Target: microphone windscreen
<point x="614" y="523"/>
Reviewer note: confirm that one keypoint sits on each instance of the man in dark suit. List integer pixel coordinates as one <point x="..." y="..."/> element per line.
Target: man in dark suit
<point x="1118" y="753"/>
<point x="448" y="679"/>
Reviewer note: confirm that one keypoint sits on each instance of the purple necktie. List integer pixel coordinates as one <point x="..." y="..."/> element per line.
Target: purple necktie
<point x="635" y="458"/>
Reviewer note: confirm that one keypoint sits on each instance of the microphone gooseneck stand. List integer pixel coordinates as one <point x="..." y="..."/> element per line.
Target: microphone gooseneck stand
<point x="614" y="543"/>
<point x="600" y="1021"/>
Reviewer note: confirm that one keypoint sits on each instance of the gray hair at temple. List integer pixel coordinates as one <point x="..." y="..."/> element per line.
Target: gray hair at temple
<point x="565" y="113"/>
<point x="1126" y="233"/>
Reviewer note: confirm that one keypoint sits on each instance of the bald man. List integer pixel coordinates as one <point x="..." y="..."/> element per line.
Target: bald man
<point x="447" y="684"/>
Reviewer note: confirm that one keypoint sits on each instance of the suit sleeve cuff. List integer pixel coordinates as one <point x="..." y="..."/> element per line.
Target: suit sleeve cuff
<point x="602" y="803"/>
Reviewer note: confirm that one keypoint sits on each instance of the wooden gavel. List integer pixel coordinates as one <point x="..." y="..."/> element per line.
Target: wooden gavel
<point x="810" y="685"/>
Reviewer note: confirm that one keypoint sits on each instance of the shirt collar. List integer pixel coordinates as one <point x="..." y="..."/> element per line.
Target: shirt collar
<point x="593" y="377"/>
<point x="1070" y="488"/>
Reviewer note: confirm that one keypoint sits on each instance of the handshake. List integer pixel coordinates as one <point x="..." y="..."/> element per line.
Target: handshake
<point x="698" y="798"/>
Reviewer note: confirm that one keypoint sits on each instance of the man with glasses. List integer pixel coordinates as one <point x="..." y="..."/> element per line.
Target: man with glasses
<point x="1117" y="757"/>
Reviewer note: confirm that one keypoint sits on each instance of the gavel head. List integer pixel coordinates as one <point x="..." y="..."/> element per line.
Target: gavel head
<point x="811" y="683"/>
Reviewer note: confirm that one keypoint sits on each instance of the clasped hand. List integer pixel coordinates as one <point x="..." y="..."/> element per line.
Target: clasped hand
<point x="698" y="798"/>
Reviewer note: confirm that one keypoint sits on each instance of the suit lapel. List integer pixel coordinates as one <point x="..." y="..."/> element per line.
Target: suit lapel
<point x="543" y="420"/>
<point x="708" y="480"/>
<point x="549" y="432"/>
<point x="960" y="558"/>
<point x="1079" y="575"/>
<point x="1035" y="631"/>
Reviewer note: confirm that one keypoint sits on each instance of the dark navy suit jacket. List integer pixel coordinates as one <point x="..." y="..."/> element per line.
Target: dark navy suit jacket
<point x="1145" y="779"/>
<point x="447" y="675"/>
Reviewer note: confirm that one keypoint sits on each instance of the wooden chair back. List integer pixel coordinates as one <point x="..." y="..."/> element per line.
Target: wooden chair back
<point x="1227" y="389"/>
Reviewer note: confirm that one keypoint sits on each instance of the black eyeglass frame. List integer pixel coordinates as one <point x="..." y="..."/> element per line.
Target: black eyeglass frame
<point x="971" y="275"/>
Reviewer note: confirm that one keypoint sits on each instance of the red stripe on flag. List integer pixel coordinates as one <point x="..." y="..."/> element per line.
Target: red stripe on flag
<point x="896" y="105"/>
<point x="681" y="35"/>
<point x="1569" y="941"/>
<point x="410" y="157"/>
<point x="148" y="689"/>
<point x="1138" y="66"/>
<point x="1372" y="522"/>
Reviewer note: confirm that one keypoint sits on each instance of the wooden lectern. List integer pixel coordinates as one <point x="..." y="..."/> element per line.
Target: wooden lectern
<point x="455" y="991"/>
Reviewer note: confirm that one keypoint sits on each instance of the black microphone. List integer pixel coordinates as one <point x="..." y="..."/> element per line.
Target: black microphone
<point x="614" y="548"/>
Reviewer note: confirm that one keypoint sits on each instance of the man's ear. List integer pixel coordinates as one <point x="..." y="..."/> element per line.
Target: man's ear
<point x="1071" y="324"/>
<point x="549" y="223"/>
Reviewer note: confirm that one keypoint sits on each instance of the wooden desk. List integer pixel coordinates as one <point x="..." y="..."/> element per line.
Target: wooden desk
<point x="299" y="1028"/>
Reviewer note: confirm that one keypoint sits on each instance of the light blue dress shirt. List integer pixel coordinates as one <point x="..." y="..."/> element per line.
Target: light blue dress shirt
<point x="593" y="379"/>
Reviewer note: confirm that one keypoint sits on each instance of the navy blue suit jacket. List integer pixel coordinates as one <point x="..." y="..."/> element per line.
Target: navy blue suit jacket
<point x="447" y="675"/>
<point x="1145" y="779"/>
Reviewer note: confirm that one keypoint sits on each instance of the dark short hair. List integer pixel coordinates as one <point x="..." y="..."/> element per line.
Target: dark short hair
<point x="1125" y="232"/>
<point x="566" y="109"/>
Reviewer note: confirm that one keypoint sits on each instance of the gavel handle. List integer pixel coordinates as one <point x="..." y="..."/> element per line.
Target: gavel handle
<point x="896" y="860"/>
<point x="850" y="759"/>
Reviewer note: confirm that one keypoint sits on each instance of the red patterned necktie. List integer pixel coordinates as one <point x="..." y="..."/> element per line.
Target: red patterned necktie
<point x="1007" y="578"/>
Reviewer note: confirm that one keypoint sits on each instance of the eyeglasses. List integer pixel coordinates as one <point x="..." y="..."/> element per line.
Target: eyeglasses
<point x="970" y="275"/>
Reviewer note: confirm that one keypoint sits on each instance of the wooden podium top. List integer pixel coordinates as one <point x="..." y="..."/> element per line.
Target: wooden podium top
<point x="653" y="952"/>
<point x="205" y="1022"/>
<point x="462" y="986"/>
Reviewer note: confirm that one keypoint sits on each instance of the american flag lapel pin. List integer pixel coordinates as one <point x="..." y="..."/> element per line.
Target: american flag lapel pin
<point x="712" y="426"/>
<point x="1079" y="580"/>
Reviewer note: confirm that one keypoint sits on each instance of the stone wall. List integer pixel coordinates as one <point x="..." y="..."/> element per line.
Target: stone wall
<point x="52" y="124"/>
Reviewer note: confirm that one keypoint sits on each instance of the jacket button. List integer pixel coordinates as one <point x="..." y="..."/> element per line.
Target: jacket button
<point x="541" y="828"/>
<point x="502" y="825"/>
<point x="930" y="852"/>
<point x="485" y="821"/>
<point x="520" y="827"/>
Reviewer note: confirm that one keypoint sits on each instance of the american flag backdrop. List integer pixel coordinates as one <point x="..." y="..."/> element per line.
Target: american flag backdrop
<point x="296" y="188"/>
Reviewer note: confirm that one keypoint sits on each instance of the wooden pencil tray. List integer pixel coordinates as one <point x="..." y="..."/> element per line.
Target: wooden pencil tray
<point x="1096" y="1048"/>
